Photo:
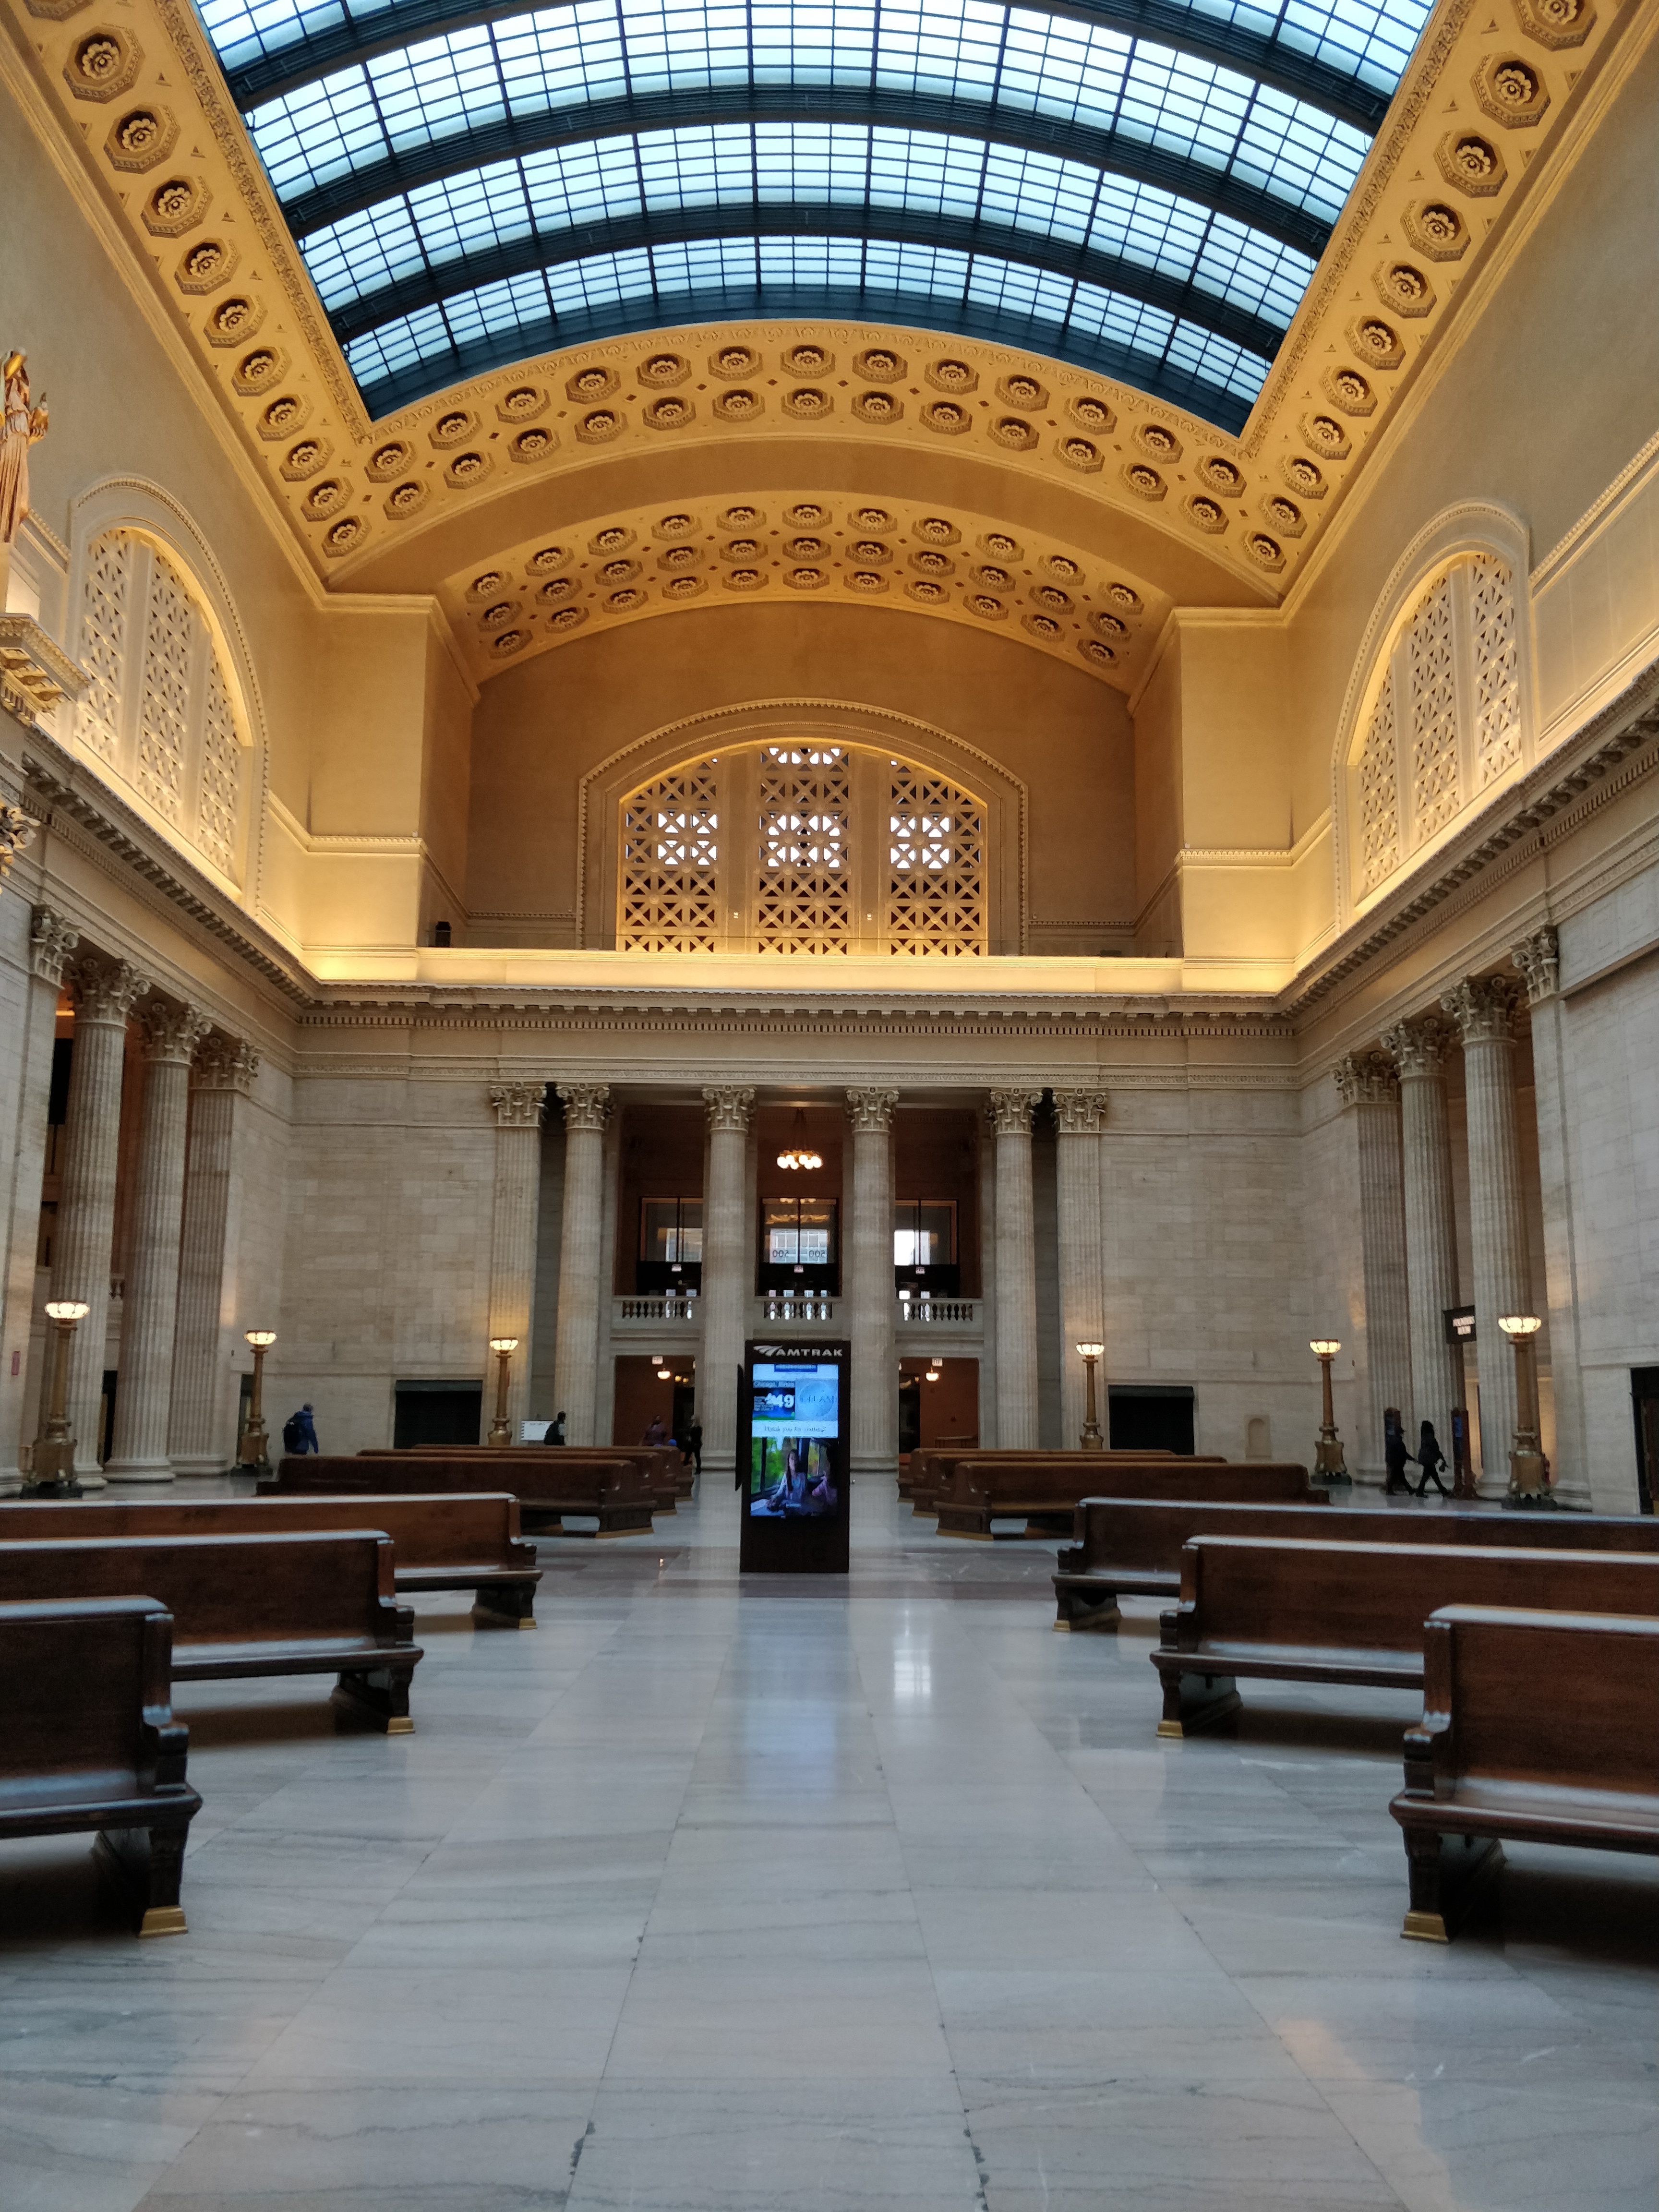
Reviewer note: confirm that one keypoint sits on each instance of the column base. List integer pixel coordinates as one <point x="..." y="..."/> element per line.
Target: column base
<point x="137" y="1470"/>
<point x="200" y="1463"/>
<point x="876" y="1463"/>
<point x="11" y="1483"/>
<point x="91" y="1478"/>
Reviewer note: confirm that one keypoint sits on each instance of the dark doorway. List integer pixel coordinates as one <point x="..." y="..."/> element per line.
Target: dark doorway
<point x="1149" y="1417"/>
<point x="106" y="1416"/>
<point x="909" y="1414"/>
<point x="437" y="1413"/>
<point x="1644" y="1403"/>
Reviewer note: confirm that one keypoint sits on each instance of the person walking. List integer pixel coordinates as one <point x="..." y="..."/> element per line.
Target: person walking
<point x="299" y="1433"/>
<point x="1431" y="1459"/>
<point x="692" y="1448"/>
<point x="1395" y="1457"/>
<point x="656" y="1435"/>
<point x="555" y="1431"/>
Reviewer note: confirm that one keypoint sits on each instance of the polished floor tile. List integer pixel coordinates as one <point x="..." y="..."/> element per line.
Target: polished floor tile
<point x="870" y="1895"/>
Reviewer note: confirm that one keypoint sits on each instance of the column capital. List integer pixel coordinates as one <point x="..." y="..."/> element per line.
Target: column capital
<point x="518" y="1105"/>
<point x="173" y="1032"/>
<point x="870" y="1110"/>
<point x="50" y="943"/>
<point x="1367" y="1079"/>
<point x="587" y="1105"/>
<point x="16" y="833"/>
<point x="106" y="990"/>
<point x="224" y="1063"/>
<point x="1483" y="1007"/>
<point x="1538" y="958"/>
<point x="1080" y="1112"/>
<point x="729" y="1106"/>
<point x="1417" y="1046"/>
<point x="1011" y="1111"/>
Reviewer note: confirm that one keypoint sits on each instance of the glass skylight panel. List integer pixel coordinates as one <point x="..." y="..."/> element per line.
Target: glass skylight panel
<point x="1369" y="40"/>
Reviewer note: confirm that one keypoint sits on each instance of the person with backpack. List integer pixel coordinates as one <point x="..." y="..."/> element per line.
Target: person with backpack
<point x="299" y="1433"/>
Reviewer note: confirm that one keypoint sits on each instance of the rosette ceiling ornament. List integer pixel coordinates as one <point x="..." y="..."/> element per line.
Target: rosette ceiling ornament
<point x="1141" y="188"/>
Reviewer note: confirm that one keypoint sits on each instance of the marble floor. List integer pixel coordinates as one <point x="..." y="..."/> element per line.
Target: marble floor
<point x="861" y="1896"/>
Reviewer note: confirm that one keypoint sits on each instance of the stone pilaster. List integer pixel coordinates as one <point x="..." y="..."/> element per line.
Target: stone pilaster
<point x="1483" y="1007"/>
<point x="149" y="1320"/>
<point x="875" y="1359"/>
<point x="726" y="1272"/>
<point x="1419" y="1051"/>
<point x="202" y="1419"/>
<point x="50" y="943"/>
<point x="1369" y="1086"/>
<point x="583" y="1276"/>
<point x="1079" y="1113"/>
<point x="1016" y="1272"/>
<point x="104" y="992"/>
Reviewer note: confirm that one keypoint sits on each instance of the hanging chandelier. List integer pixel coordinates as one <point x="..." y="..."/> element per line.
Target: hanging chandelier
<point x="799" y="1153"/>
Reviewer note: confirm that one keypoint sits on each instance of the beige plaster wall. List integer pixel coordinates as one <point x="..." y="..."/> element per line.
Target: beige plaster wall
<point x="540" y="727"/>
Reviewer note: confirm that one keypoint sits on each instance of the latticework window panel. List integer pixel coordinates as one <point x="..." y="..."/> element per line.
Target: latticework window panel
<point x="936" y="865"/>
<point x="803" y="901"/>
<point x="105" y="613"/>
<point x="1435" y="795"/>
<point x="222" y="768"/>
<point x="1379" y="789"/>
<point x="1497" y="668"/>
<point x="669" y="899"/>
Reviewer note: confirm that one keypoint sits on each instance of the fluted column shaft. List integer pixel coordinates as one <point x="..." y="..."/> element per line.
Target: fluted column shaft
<point x="875" y="1359"/>
<point x="1016" y="1272"/>
<point x="50" y="943"/>
<point x="725" y="1271"/>
<point x="1081" y="1253"/>
<point x="1419" y="1051"/>
<point x="515" y="1204"/>
<point x="1483" y="1010"/>
<point x="1369" y="1086"/>
<point x="150" y="1318"/>
<point x="581" y="1261"/>
<point x="202" y="1420"/>
<point x="104" y="993"/>
<point x="1608" y="1482"/>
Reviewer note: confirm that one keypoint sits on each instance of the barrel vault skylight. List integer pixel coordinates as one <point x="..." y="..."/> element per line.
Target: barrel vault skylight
<point x="1141" y="187"/>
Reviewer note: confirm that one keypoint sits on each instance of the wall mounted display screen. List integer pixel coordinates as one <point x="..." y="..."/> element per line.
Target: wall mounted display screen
<point x="792" y="1459"/>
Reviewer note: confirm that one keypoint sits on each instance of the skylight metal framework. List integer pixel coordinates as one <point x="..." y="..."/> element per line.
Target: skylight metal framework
<point x="1133" y="182"/>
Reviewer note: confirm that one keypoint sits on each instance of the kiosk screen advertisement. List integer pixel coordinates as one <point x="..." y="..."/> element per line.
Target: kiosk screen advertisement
<point x="794" y="1458"/>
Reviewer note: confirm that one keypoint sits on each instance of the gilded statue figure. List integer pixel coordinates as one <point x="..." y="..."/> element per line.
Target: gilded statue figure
<point x="23" y="425"/>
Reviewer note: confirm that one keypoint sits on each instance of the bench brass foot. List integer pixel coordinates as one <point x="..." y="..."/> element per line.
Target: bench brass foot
<point x="164" y="1920"/>
<point x="1425" y="1928"/>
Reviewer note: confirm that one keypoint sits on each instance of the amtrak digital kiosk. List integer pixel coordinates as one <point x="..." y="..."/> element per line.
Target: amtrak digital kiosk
<point x="792" y="1460"/>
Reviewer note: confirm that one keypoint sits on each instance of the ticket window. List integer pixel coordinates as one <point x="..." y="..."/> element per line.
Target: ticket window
<point x="799" y="1246"/>
<point x="671" y="1245"/>
<point x="925" y="1257"/>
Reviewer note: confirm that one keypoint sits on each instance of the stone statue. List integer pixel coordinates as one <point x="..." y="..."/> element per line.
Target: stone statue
<point x="23" y="425"/>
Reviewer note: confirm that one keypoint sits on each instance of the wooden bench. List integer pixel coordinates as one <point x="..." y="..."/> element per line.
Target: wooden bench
<point x="1542" y="1727"/>
<point x="1252" y="1606"/>
<point x="930" y="1481"/>
<point x="616" y="1495"/>
<point x="90" y="1741"/>
<point x="665" y="1473"/>
<point x="440" y="1542"/>
<point x="250" y="1605"/>
<point x="1131" y="1547"/>
<point x="1048" y="1492"/>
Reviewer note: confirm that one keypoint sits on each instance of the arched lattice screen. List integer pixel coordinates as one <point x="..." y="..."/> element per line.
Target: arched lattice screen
<point x="1444" y="716"/>
<point x="814" y="849"/>
<point x="158" y="709"/>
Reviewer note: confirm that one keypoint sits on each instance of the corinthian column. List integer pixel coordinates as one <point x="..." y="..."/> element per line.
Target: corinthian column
<point x="1368" y="1086"/>
<point x="875" y="1362"/>
<point x="582" y="1258"/>
<point x="104" y="992"/>
<point x="1420" y="1052"/>
<point x="150" y="1322"/>
<point x="50" y="943"/>
<point x="725" y="1271"/>
<point x="1082" y="1257"/>
<point x="1483" y="1008"/>
<point x="1015" y="1275"/>
<point x="201" y="1422"/>
<point x="1608" y="1484"/>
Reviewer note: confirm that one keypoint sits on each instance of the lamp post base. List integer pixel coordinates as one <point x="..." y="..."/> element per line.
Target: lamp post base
<point x="1330" y="1466"/>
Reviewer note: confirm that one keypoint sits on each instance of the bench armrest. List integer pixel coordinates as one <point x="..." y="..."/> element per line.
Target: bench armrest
<point x="165" y="1742"/>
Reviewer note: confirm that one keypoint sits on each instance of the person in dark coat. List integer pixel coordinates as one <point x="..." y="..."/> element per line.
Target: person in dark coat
<point x="692" y="1447"/>
<point x="555" y="1431"/>
<point x="1395" y="1458"/>
<point x="299" y="1433"/>
<point x="1431" y="1459"/>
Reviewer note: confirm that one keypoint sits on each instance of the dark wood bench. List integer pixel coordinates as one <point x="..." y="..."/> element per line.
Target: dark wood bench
<point x="548" y="1487"/>
<point x="1048" y="1492"/>
<point x="1540" y="1727"/>
<point x="1252" y="1606"/>
<point x="930" y="1481"/>
<point x="250" y="1605"/>
<point x="1131" y="1547"/>
<point x="440" y="1542"/>
<point x="665" y="1473"/>
<point x="90" y="1742"/>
